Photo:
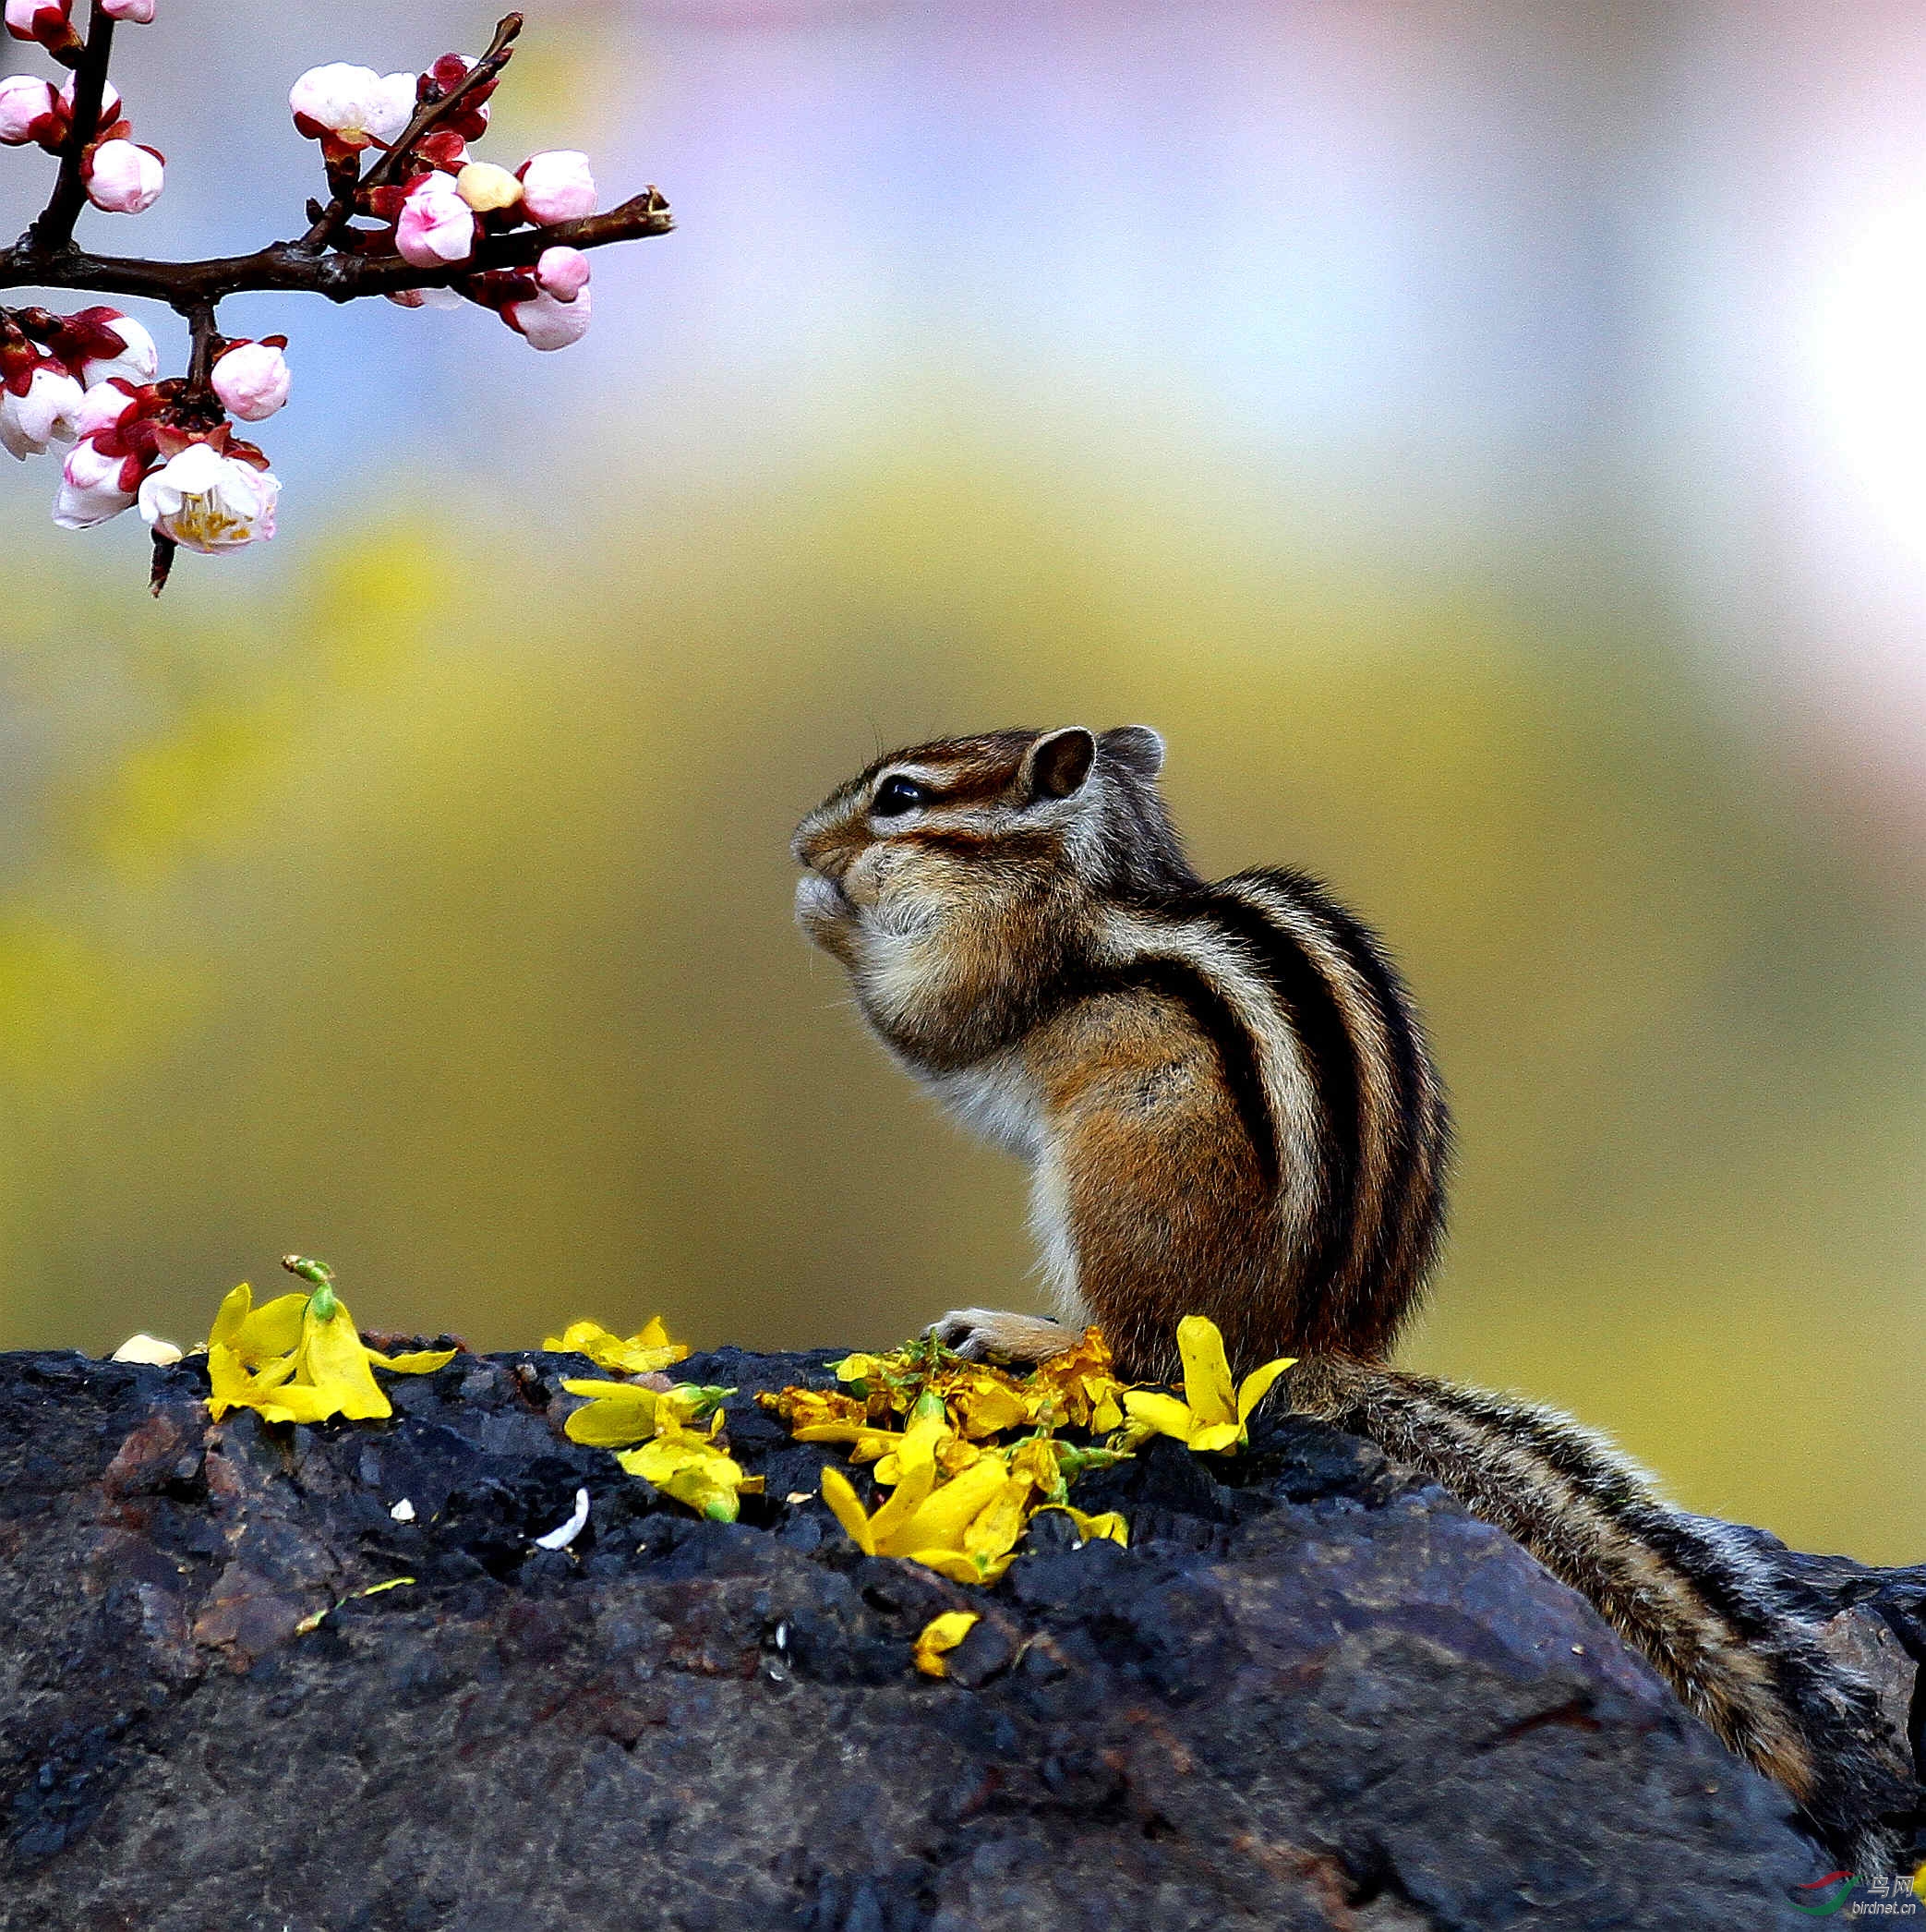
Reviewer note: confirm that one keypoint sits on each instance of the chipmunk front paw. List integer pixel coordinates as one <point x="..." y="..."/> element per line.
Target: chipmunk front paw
<point x="988" y="1335"/>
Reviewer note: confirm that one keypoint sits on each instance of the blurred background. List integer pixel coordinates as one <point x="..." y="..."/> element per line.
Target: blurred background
<point x="1488" y="439"/>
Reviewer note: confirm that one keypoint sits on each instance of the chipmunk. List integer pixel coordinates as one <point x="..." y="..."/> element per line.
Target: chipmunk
<point x="1229" y="1108"/>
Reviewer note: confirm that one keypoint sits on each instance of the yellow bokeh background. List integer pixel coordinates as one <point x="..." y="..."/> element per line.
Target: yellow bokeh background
<point x="446" y="935"/>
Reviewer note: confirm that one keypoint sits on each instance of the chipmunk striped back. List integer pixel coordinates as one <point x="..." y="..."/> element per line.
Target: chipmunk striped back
<point x="1024" y="930"/>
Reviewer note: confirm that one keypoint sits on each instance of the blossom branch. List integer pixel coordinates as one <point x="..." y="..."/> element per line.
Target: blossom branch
<point x="425" y="226"/>
<point x="480" y="78"/>
<point x="55" y="229"/>
<point x="289" y="268"/>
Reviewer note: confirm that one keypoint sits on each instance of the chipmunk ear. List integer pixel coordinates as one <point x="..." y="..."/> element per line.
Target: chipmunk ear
<point x="1058" y="763"/>
<point x="1137" y="746"/>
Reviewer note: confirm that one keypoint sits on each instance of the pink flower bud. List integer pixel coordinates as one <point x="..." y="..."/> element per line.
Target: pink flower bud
<point x="563" y="273"/>
<point x="140" y="11"/>
<point x="355" y="105"/>
<point x="252" y="381"/>
<point x="109" y="99"/>
<point x="43" y="413"/>
<point x="549" y="324"/>
<point x="45" y="20"/>
<point x="123" y="179"/>
<point x="26" y="110"/>
<point x="557" y="187"/>
<point x="209" y="503"/>
<point x="91" y="488"/>
<point x="436" y="226"/>
<point x="136" y="360"/>
<point x="102" y="409"/>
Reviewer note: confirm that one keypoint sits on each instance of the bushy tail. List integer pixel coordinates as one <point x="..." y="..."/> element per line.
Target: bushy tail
<point x="1705" y="1608"/>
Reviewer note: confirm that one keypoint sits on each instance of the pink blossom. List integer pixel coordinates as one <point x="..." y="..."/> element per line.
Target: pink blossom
<point x="138" y="11"/>
<point x="39" y="19"/>
<point x="209" y="503"/>
<point x="563" y="273"/>
<point x="123" y="179"/>
<point x="26" y="110"/>
<point x="92" y="488"/>
<point x="102" y="409"/>
<point x="138" y="360"/>
<point x="43" y="414"/>
<point x="436" y="226"/>
<point x="549" y="324"/>
<point x="557" y="187"/>
<point x="252" y="381"/>
<point x="354" y="106"/>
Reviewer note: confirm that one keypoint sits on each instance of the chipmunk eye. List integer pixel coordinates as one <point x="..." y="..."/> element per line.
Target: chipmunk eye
<point x="897" y="795"/>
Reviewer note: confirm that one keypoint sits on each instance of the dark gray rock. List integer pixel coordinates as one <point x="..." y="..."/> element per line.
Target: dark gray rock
<point x="1313" y="1693"/>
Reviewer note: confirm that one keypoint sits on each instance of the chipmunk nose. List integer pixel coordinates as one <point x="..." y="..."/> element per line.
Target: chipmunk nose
<point x="816" y="848"/>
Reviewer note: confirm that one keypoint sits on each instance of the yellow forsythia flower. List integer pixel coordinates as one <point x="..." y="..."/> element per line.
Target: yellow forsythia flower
<point x="1214" y="1414"/>
<point x="965" y="1529"/>
<point x="625" y="1412"/>
<point x="300" y="1358"/>
<point x="940" y="1635"/>
<point x="694" y="1469"/>
<point x="641" y="1354"/>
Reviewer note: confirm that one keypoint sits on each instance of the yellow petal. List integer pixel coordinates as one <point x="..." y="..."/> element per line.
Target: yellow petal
<point x="1164" y="1415"/>
<point x="1214" y="1436"/>
<point x="996" y="1528"/>
<point x="939" y="1520"/>
<point x="625" y="1414"/>
<point x="423" y="1361"/>
<point x="1257" y="1386"/>
<point x="847" y="1511"/>
<point x="892" y="1517"/>
<point x="989" y="1408"/>
<point x="1206" y="1375"/>
<point x="954" y="1564"/>
<point x="940" y="1635"/>
<point x="228" y="1317"/>
<point x="1109" y="1527"/>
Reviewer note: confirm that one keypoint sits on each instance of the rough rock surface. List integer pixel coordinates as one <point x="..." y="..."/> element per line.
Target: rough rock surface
<point x="1312" y="1693"/>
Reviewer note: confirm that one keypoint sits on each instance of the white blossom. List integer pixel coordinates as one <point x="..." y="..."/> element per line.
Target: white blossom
<point x="355" y="104"/>
<point x="209" y="503"/>
<point x="43" y="414"/>
<point x="90" y="490"/>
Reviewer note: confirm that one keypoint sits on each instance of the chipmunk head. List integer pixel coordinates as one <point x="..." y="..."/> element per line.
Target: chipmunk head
<point x="948" y="878"/>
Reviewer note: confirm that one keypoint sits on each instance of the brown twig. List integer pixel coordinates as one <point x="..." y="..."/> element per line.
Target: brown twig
<point x="286" y="266"/>
<point x="55" y="229"/>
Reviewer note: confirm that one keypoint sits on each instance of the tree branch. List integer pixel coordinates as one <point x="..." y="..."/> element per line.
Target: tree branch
<point x="288" y="266"/>
<point x="55" y="229"/>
